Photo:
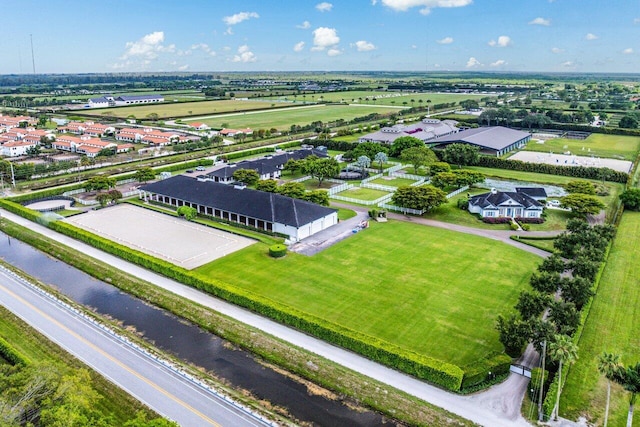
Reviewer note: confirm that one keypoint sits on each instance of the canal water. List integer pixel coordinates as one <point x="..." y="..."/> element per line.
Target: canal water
<point x="186" y="341"/>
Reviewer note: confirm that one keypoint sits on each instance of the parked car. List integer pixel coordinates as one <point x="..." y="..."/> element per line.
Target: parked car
<point x="189" y="170"/>
<point x="200" y="168"/>
<point x="553" y="203"/>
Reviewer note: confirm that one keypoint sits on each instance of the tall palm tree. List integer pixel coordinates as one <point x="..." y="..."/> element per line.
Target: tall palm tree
<point x="608" y="365"/>
<point x="563" y="351"/>
<point x="629" y="379"/>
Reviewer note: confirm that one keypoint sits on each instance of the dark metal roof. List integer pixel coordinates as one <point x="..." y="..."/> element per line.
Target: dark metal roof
<point x="138" y="97"/>
<point x="495" y="137"/>
<point x="261" y="205"/>
<point x="495" y="199"/>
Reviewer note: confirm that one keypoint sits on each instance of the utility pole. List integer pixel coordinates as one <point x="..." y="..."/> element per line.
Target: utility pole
<point x="33" y="58"/>
<point x="544" y="351"/>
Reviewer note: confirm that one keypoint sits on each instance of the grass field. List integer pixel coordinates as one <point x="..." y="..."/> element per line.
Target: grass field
<point x="283" y="119"/>
<point x="395" y="182"/>
<point x="363" y="193"/>
<point x="382" y="98"/>
<point x="183" y="108"/>
<point x="597" y="144"/>
<point x="30" y="343"/>
<point x="426" y="289"/>
<point x="612" y="326"/>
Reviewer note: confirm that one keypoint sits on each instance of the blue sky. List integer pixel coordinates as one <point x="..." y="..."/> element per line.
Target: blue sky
<point x="297" y="35"/>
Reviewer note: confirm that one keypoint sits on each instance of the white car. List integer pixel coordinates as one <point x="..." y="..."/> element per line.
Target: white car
<point x="553" y="203"/>
<point x="200" y="168"/>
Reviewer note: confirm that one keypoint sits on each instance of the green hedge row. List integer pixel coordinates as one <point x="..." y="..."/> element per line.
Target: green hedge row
<point x="479" y="372"/>
<point x="18" y="209"/>
<point x="45" y="193"/>
<point x="11" y="355"/>
<point x="443" y="374"/>
<point x="574" y="171"/>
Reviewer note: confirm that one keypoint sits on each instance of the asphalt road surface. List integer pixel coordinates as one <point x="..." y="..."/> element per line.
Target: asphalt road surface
<point x="162" y="388"/>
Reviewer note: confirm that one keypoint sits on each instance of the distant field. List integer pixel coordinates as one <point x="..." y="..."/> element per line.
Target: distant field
<point x="425" y="289"/>
<point x="597" y="144"/>
<point x="184" y="108"/>
<point x="612" y="326"/>
<point x="381" y="97"/>
<point x="283" y="119"/>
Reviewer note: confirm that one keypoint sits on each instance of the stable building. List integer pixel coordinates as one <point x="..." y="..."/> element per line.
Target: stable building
<point x="270" y="212"/>
<point x="493" y="140"/>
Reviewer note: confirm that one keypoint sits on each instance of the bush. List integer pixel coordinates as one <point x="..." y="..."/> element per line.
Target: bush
<point x="12" y="355"/>
<point x="536" y="375"/>
<point x="277" y="250"/>
<point x="523" y="220"/>
<point x="514" y="227"/>
<point x="463" y="203"/>
<point x="525" y="227"/>
<point x="479" y="372"/>
<point x="496" y="220"/>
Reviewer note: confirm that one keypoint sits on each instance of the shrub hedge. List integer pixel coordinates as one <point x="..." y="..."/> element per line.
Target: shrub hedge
<point x="278" y="250"/>
<point x="498" y="364"/>
<point x="444" y="374"/>
<point x="18" y="209"/>
<point x="12" y="355"/>
<point x="574" y="171"/>
<point x="496" y="220"/>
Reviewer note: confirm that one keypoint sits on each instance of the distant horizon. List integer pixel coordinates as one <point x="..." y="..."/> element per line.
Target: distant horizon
<point x="534" y="36"/>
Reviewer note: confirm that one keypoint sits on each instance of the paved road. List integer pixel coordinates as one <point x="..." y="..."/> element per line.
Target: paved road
<point x="482" y="412"/>
<point x="144" y="377"/>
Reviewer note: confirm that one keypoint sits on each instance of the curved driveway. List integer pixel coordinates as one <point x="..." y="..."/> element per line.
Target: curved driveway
<point x="499" y="411"/>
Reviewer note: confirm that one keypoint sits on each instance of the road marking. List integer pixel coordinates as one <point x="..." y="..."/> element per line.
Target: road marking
<point x="108" y="356"/>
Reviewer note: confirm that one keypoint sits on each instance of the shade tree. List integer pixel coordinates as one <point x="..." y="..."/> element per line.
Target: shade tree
<point x="564" y="351"/>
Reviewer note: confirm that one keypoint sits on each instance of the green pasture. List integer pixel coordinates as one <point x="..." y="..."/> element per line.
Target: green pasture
<point x="597" y="144"/>
<point x="430" y="290"/>
<point x="395" y="182"/>
<point x="183" y="109"/>
<point x="363" y="193"/>
<point x="284" y="118"/>
<point x="612" y="326"/>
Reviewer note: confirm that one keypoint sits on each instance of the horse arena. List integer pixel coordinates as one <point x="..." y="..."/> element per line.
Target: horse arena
<point x="173" y="239"/>
<point x="571" y="160"/>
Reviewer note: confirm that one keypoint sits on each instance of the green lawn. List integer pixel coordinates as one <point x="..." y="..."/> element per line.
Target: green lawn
<point x="363" y="193"/>
<point x="612" y="326"/>
<point x="183" y="108"/>
<point x="426" y="289"/>
<point x="344" y="214"/>
<point x="597" y="144"/>
<point x="312" y="184"/>
<point x="395" y="182"/>
<point x="283" y="119"/>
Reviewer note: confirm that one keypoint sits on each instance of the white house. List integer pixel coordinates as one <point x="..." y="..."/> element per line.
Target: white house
<point x="510" y="204"/>
<point x="17" y="148"/>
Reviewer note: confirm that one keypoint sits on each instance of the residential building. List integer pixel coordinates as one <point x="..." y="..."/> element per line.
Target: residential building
<point x="17" y="148"/>
<point x="511" y="204"/>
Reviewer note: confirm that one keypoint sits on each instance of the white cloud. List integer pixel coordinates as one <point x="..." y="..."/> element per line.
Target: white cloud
<point x="228" y="32"/>
<point x="499" y="63"/>
<point x="636" y="21"/>
<point x="446" y="40"/>
<point x="364" y="46"/>
<point x="540" y="21"/>
<point x="239" y="17"/>
<point x="568" y="64"/>
<point x="183" y="67"/>
<point x="298" y="47"/>
<point x="628" y="51"/>
<point x="374" y="2"/>
<point x="200" y="46"/>
<point x="425" y="5"/>
<point x="590" y="36"/>
<point x="334" y="52"/>
<point x="147" y="47"/>
<point x="556" y="50"/>
<point x="503" y="41"/>
<point x="413" y="46"/>
<point x="324" y="6"/>
<point x="244" y="55"/>
<point x="324" y="37"/>
<point x="473" y="63"/>
<point x="304" y="26"/>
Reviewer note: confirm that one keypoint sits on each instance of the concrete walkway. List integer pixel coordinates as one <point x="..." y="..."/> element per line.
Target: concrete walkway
<point x="322" y="240"/>
<point x="500" y="410"/>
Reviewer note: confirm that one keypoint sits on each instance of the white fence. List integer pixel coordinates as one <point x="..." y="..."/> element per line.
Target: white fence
<point x="458" y="191"/>
<point x="371" y="178"/>
<point x="342" y="187"/>
<point x="302" y="179"/>
<point x="395" y="167"/>
<point x="72" y="192"/>
<point x="407" y="176"/>
<point x="126" y="181"/>
<point x="378" y="187"/>
<point x="363" y="202"/>
<point x="401" y="209"/>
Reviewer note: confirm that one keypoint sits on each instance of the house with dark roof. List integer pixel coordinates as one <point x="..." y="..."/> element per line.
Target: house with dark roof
<point x="268" y="167"/>
<point x="510" y="204"/>
<point x="258" y="209"/>
<point x="494" y="140"/>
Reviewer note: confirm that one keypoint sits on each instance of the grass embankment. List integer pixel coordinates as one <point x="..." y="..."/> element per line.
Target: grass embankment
<point x="597" y="144"/>
<point x="428" y="290"/>
<point x="612" y="326"/>
<point x="114" y="401"/>
<point x="357" y="388"/>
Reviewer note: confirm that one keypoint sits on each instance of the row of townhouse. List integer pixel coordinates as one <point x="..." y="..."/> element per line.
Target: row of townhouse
<point x="87" y="128"/>
<point x="87" y="145"/>
<point x="10" y="122"/>
<point x="17" y="141"/>
<point x="149" y="136"/>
